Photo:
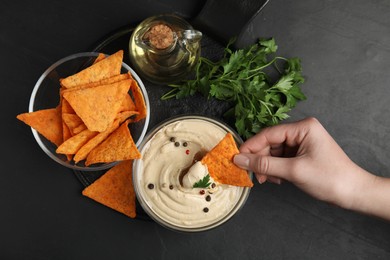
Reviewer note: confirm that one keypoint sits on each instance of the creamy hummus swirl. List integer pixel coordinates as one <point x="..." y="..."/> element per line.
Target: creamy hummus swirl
<point x="167" y="156"/>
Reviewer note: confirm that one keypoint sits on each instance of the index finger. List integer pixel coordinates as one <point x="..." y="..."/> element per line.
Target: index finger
<point x="274" y="137"/>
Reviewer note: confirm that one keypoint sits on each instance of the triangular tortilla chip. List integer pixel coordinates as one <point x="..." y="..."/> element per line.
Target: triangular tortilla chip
<point x="66" y="134"/>
<point x="117" y="147"/>
<point x="100" y="57"/>
<point x="95" y="141"/>
<point x="79" y="129"/>
<point x="122" y="116"/>
<point x="65" y="106"/>
<point x="103" y="69"/>
<point x="71" y="120"/>
<point x="98" y="106"/>
<point x="115" y="189"/>
<point x="47" y="122"/>
<point x="220" y="164"/>
<point x="106" y="81"/>
<point x="73" y="144"/>
<point x="127" y="104"/>
<point x="138" y="100"/>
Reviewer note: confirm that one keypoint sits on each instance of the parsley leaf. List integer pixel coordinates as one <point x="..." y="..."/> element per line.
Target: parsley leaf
<point x="203" y="183"/>
<point x="245" y="79"/>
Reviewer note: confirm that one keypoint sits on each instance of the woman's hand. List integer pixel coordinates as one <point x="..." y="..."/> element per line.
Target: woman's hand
<point x="305" y="154"/>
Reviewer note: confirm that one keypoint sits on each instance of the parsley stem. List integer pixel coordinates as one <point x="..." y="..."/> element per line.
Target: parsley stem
<point x="170" y="94"/>
<point x="266" y="106"/>
<point x="250" y="101"/>
<point x="267" y="64"/>
<point x="207" y="61"/>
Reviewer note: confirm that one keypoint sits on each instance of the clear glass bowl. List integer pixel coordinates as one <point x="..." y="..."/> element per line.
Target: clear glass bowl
<point x="141" y="185"/>
<point x="46" y="95"/>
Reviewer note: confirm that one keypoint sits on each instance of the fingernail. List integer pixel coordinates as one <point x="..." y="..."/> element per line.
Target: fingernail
<point x="241" y="161"/>
<point x="261" y="179"/>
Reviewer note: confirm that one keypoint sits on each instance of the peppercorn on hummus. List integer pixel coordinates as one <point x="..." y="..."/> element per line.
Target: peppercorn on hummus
<point x="169" y="169"/>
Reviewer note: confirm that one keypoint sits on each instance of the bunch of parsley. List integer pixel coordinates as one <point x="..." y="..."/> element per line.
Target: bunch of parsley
<point x="259" y="96"/>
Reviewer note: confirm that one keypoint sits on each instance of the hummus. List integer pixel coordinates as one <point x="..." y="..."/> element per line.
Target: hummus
<point x="169" y="169"/>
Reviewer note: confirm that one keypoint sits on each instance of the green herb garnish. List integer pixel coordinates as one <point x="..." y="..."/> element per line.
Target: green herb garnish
<point x="259" y="98"/>
<point x="203" y="183"/>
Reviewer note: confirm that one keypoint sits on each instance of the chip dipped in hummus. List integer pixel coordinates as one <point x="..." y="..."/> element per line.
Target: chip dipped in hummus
<point x="173" y="185"/>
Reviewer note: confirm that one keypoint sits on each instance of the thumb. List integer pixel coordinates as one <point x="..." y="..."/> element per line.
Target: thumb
<point x="265" y="165"/>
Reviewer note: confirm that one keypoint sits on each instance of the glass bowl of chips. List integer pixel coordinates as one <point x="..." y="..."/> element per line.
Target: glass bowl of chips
<point x="172" y="183"/>
<point x="78" y="108"/>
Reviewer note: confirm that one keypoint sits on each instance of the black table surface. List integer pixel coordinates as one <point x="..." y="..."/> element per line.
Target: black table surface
<point x="345" y="51"/>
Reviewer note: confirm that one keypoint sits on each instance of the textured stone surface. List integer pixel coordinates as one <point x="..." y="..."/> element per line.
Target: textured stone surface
<point x="345" y="51"/>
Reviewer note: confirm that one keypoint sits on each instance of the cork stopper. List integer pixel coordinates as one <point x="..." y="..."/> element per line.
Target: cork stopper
<point x="160" y="36"/>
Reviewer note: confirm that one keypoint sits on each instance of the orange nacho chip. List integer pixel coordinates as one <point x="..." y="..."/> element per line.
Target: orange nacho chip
<point x="66" y="131"/>
<point x="103" y="69"/>
<point x="122" y="116"/>
<point x="73" y="144"/>
<point x="117" y="147"/>
<point x="115" y="189"/>
<point x="79" y="129"/>
<point x="220" y="164"/>
<point x="66" y="134"/>
<point x="100" y="57"/>
<point x="138" y="100"/>
<point x="127" y="104"/>
<point x="47" y="122"/>
<point x="98" y="106"/>
<point x="93" y="142"/>
<point x="100" y="137"/>
<point x="71" y="120"/>
<point x="105" y="81"/>
<point x="65" y="106"/>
